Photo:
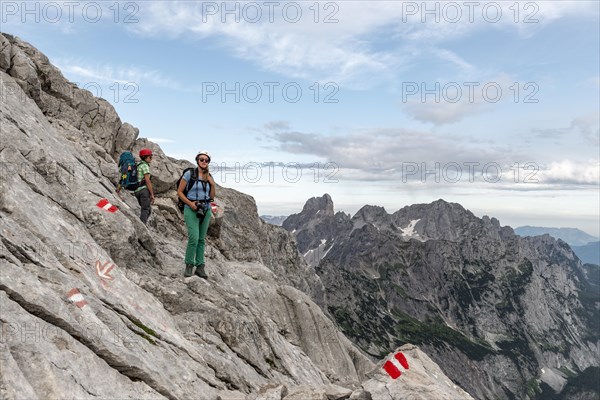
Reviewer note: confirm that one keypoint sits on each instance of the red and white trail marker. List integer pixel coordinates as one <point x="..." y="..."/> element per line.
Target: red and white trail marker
<point x="103" y="270"/>
<point x="395" y="364"/>
<point x="76" y="298"/>
<point x="105" y="205"/>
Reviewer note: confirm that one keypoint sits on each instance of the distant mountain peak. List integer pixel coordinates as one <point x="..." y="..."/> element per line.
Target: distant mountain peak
<point x="322" y="205"/>
<point x="369" y="211"/>
<point x="273" y="219"/>
<point x="573" y="236"/>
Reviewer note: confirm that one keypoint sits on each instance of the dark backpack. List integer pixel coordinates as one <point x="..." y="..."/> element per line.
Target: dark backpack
<point x="188" y="186"/>
<point x="128" y="173"/>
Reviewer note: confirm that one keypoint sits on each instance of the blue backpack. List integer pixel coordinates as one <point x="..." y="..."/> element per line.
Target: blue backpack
<point x="128" y="174"/>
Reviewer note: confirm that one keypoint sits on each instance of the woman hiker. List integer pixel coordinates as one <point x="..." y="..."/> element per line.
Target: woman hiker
<point x="197" y="212"/>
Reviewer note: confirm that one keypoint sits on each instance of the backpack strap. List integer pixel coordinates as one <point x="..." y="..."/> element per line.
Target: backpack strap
<point x="193" y="179"/>
<point x="142" y="181"/>
<point x="204" y="185"/>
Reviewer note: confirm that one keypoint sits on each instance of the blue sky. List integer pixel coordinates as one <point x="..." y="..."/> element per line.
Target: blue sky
<point x="400" y="96"/>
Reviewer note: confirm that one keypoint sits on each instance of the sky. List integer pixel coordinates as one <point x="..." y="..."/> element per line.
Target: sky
<point x="490" y="104"/>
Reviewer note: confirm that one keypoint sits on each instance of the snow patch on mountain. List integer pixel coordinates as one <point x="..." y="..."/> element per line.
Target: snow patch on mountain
<point x="409" y="231"/>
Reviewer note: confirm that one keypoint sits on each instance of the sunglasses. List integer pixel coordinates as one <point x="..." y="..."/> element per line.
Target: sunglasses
<point x="203" y="160"/>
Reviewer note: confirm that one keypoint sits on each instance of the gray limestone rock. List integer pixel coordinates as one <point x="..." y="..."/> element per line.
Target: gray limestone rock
<point x="360" y="394"/>
<point x="269" y="392"/>
<point x="5" y="49"/>
<point x="424" y="380"/>
<point x="327" y="392"/>
<point x="125" y="137"/>
<point x="304" y="392"/>
<point x="94" y="117"/>
<point x="94" y="303"/>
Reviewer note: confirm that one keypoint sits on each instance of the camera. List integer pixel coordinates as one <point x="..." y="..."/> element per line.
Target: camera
<point x="200" y="209"/>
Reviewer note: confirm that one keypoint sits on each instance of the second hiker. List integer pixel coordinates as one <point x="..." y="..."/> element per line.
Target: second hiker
<point x="145" y="192"/>
<point x="197" y="212"/>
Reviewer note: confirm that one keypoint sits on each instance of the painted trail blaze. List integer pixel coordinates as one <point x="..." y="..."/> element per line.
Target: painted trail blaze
<point x="105" y="205"/>
<point x="393" y="366"/>
<point x="76" y="298"/>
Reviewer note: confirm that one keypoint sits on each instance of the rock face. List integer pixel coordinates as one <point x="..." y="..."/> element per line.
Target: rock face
<point x="424" y="380"/>
<point x="503" y="316"/>
<point x="320" y="226"/>
<point x="93" y="303"/>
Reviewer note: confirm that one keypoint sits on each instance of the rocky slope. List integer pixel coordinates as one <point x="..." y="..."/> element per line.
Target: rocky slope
<point x="503" y="316"/>
<point x="94" y="305"/>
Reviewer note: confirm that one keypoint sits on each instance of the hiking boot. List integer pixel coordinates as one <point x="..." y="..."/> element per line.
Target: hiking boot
<point x="200" y="271"/>
<point x="189" y="270"/>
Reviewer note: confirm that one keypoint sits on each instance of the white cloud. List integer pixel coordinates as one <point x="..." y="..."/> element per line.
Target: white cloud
<point x="589" y="126"/>
<point x="277" y="126"/>
<point x="385" y="152"/>
<point x="306" y="50"/>
<point x="455" y="59"/>
<point x="454" y="101"/>
<point x="107" y="74"/>
<point x="424" y="158"/>
<point x="344" y="51"/>
<point x="572" y="172"/>
<point x="586" y="126"/>
<point x="549" y="11"/>
<point x="161" y="140"/>
<point x="440" y="113"/>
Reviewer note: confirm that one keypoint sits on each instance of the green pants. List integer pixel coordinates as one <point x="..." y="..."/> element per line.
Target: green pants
<point x="197" y="228"/>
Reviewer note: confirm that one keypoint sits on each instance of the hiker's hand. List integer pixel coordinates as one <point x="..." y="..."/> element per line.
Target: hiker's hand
<point x="194" y="207"/>
<point x="151" y="199"/>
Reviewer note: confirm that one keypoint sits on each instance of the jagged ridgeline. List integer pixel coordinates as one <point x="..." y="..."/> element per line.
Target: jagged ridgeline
<point x="503" y="316"/>
<point x="93" y="303"/>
